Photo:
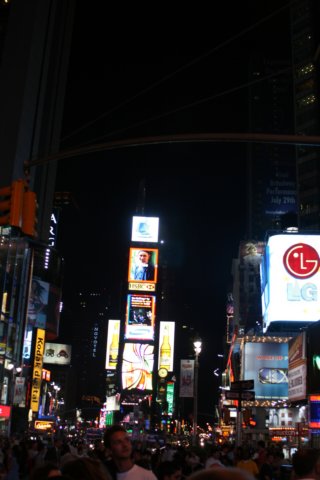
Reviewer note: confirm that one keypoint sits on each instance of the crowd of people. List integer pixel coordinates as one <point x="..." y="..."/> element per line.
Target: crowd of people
<point x="117" y="457"/>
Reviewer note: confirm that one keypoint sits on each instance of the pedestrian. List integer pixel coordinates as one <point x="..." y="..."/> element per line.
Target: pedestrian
<point x="117" y="440"/>
<point x="306" y="463"/>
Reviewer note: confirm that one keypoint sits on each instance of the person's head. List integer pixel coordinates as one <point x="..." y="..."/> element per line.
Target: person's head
<point x="306" y="463"/>
<point x="117" y="440"/>
<point x="43" y="472"/>
<point x="227" y="473"/>
<point x="169" y="471"/>
<point x="85" y="468"/>
<point x="144" y="256"/>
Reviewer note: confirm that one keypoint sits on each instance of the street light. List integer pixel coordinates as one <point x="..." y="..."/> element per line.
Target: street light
<point x="197" y="350"/>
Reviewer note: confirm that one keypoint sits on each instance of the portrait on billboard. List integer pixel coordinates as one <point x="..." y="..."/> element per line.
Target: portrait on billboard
<point x="38" y="303"/>
<point x="137" y="366"/>
<point x="143" y="265"/>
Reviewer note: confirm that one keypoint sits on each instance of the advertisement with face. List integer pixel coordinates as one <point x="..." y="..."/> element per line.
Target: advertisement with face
<point x="267" y="364"/>
<point x="143" y="269"/>
<point x="137" y="366"/>
<point x="38" y="303"/>
<point x="140" y="317"/>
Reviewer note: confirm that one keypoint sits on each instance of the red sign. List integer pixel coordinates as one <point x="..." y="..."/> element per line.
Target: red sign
<point x="4" y="411"/>
<point x="301" y="261"/>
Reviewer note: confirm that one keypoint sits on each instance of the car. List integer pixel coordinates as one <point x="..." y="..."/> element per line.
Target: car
<point x="49" y="352"/>
<point x="62" y="353"/>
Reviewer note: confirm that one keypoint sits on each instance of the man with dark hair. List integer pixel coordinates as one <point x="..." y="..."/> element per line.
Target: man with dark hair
<point x="144" y="270"/>
<point x="306" y="463"/>
<point x="117" y="440"/>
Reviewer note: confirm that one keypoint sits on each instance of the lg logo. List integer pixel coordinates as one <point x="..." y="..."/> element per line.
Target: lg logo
<point x="301" y="261"/>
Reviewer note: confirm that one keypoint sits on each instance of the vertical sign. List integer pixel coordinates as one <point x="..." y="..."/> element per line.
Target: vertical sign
<point x="112" y="344"/>
<point x="37" y="369"/>
<point x="186" y="378"/>
<point x="166" y="345"/>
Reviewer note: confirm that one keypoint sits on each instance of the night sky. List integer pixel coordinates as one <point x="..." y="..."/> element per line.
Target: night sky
<point x="160" y="72"/>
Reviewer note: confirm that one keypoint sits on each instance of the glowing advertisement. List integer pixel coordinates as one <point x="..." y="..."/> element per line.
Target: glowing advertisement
<point x="137" y="366"/>
<point x="313" y="358"/>
<point x="38" y="303"/>
<point x="37" y="369"/>
<point x="143" y="269"/>
<point x="112" y="350"/>
<point x="140" y="317"/>
<point x="292" y="279"/>
<point x="297" y="382"/>
<point x="186" y="378"/>
<point x="170" y="397"/>
<point x="145" y="229"/>
<point x="267" y="364"/>
<point x="166" y="345"/>
<point x="57" y="353"/>
<point x="314" y="411"/>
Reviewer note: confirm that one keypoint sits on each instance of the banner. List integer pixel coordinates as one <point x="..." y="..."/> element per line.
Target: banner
<point x="186" y="378"/>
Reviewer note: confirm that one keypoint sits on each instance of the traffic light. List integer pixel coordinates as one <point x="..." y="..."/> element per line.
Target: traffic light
<point x="29" y="214"/>
<point x="11" y="204"/>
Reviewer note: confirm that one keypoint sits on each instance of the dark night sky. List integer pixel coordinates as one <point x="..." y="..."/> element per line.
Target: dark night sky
<point x="116" y="90"/>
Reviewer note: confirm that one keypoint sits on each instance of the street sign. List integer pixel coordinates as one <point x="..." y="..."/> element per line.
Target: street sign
<point x="239" y="395"/>
<point x="242" y="385"/>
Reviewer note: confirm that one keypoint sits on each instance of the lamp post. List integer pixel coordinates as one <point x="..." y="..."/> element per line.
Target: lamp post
<point x="197" y="350"/>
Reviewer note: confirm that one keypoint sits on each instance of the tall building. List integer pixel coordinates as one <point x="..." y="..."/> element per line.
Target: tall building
<point x="305" y="16"/>
<point x="271" y="173"/>
<point x="87" y="333"/>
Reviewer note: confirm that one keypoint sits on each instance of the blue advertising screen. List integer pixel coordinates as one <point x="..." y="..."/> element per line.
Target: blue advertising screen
<point x="267" y="364"/>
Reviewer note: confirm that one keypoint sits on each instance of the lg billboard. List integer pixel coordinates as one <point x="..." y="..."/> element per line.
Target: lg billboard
<point x="291" y="279"/>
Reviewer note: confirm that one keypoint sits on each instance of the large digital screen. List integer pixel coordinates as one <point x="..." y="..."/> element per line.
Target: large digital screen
<point x="314" y="411"/>
<point x="145" y="229"/>
<point x="267" y="364"/>
<point x="140" y="317"/>
<point x="143" y="269"/>
<point x="292" y="279"/>
<point x="38" y="303"/>
<point x="137" y="366"/>
<point x="44" y="307"/>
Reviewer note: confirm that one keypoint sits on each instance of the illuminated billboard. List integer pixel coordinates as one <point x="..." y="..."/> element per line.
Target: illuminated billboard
<point x="291" y="279"/>
<point x="267" y="364"/>
<point x="166" y="345"/>
<point x="145" y="229"/>
<point x="38" y="303"/>
<point x="297" y="375"/>
<point x="140" y="317"/>
<point x="37" y="369"/>
<point x="186" y="378"/>
<point x="143" y="269"/>
<point x="57" y="353"/>
<point x="137" y="366"/>
<point x="112" y="350"/>
<point x="313" y="358"/>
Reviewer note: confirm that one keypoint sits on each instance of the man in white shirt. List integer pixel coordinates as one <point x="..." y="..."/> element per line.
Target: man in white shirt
<point x="117" y="440"/>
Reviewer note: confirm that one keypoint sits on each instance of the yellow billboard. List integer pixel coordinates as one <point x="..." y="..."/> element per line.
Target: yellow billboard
<point x="37" y="369"/>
